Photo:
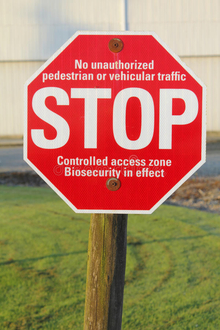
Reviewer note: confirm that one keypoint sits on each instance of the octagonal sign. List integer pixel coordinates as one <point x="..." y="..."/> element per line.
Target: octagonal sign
<point x="114" y="122"/>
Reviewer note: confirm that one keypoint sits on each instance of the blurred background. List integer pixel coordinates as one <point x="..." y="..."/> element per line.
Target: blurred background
<point x="31" y="31"/>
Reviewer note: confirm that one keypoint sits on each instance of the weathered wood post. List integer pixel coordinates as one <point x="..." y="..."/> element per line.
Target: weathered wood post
<point x="105" y="272"/>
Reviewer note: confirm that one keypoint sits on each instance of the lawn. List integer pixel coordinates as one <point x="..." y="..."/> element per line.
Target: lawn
<point x="172" y="272"/>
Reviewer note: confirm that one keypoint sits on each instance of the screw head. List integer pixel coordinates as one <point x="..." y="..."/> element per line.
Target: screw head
<point x="115" y="45"/>
<point x="113" y="184"/>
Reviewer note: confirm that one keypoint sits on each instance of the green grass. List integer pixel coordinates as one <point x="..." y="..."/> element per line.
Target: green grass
<point x="172" y="273"/>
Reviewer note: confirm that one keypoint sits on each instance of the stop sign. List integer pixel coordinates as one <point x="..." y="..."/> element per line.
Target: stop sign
<point x="114" y="122"/>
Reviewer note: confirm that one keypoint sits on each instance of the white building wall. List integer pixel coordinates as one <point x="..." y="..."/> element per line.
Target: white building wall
<point x="189" y="27"/>
<point x="31" y="31"/>
<point x="12" y="78"/>
<point x="35" y="29"/>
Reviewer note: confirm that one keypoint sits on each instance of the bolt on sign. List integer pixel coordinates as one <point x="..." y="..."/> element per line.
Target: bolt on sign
<point x="115" y="122"/>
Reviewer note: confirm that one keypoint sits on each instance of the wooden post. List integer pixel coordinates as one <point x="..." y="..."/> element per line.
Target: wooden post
<point x="105" y="272"/>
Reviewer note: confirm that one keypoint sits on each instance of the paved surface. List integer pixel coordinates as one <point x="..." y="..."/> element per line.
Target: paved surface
<point x="11" y="160"/>
<point x="211" y="167"/>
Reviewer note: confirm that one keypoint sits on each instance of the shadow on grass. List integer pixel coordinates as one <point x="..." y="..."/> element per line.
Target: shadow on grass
<point x="12" y="261"/>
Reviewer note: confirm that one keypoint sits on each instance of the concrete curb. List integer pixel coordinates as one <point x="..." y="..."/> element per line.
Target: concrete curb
<point x="11" y="143"/>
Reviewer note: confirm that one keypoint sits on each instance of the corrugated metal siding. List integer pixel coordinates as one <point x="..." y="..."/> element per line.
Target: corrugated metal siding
<point x="12" y="78"/>
<point x="34" y="30"/>
<point x="189" y="27"/>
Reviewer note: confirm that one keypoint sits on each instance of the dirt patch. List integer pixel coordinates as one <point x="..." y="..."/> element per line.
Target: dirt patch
<point x="201" y="193"/>
<point x="21" y="179"/>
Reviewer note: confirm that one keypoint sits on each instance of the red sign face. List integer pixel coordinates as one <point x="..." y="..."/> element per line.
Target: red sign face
<point x="114" y="122"/>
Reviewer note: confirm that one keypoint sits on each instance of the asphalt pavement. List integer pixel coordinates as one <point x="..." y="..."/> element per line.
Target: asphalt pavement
<point x="11" y="158"/>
